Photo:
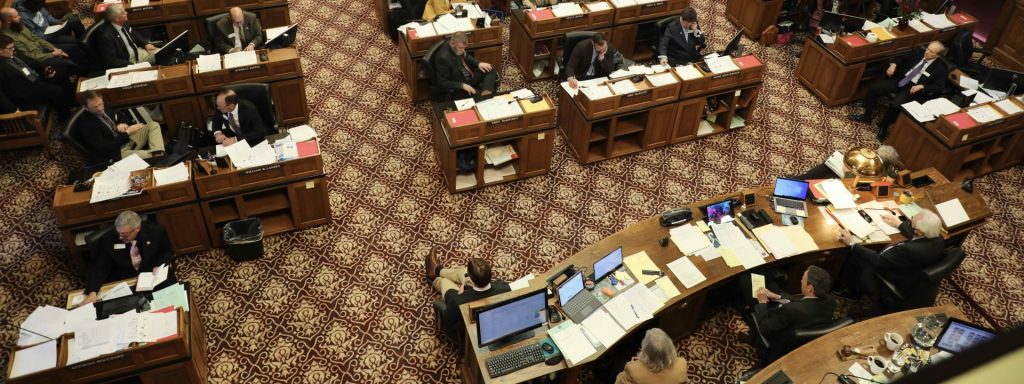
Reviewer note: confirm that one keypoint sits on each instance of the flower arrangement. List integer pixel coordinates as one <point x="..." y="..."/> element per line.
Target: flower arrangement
<point x="909" y="9"/>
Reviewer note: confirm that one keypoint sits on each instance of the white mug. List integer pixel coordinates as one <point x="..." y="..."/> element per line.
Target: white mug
<point x="893" y="341"/>
<point x="877" y="364"/>
<point x="871" y="37"/>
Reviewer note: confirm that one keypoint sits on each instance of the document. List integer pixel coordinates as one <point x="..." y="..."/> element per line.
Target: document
<point x="144" y="64"/>
<point x="756" y="283"/>
<point x="968" y="82"/>
<point x="776" y="241"/>
<point x="689" y="239"/>
<point x="566" y="9"/>
<point x="837" y="194"/>
<point x="240" y="59"/>
<point x="709" y="253"/>
<point x="620" y="73"/>
<point x="495" y="174"/>
<point x="661" y="79"/>
<point x="640" y="70"/>
<point x="688" y="72"/>
<point x="596" y="92"/>
<point x="686" y="272"/>
<point x="54" y="28"/>
<point x="876" y="211"/>
<point x="446" y="24"/>
<point x="952" y="213"/>
<point x="623" y="87"/>
<point x="597" y="6"/>
<point x="108" y="186"/>
<point x="919" y="26"/>
<point x="569" y="338"/>
<point x="273" y="33"/>
<point x="632" y="306"/>
<point x="82" y="316"/>
<point x="174" y="174"/>
<point x="1008" y="106"/>
<point x="158" y="326"/>
<point x="623" y="3"/>
<point x="637" y="263"/>
<point x="425" y="30"/>
<point x="128" y="165"/>
<point x="984" y="114"/>
<point x="120" y="80"/>
<point x="145" y="76"/>
<point x="524" y="93"/>
<point x="499" y="154"/>
<point x="171" y="295"/>
<point x="835" y="163"/>
<point x="98" y="82"/>
<point x="148" y="280"/>
<point x="721" y="64"/>
<point x="138" y="3"/>
<point x="207" y="63"/>
<point x="937" y="21"/>
<point x="301" y="133"/>
<point x="603" y="327"/>
<point x="464" y="104"/>
<point x="941" y="107"/>
<point x="34" y="359"/>
<point x="120" y="290"/>
<point x="853" y="222"/>
<point x="46" y="321"/>
<point x="827" y="39"/>
<point x="521" y="283"/>
<point x="498" y="108"/>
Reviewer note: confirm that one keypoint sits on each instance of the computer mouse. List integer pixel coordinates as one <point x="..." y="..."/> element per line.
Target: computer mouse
<point x="547" y="347"/>
<point x="793" y="219"/>
<point x="608" y="291"/>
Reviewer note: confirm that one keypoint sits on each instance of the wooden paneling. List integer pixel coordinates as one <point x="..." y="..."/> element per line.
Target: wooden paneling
<point x="1009" y="46"/>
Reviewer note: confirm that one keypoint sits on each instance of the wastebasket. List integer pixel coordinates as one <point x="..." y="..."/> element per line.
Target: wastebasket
<point x="244" y="239"/>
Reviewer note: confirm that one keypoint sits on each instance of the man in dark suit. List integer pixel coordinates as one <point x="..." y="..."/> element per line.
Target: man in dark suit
<point x="456" y="289"/>
<point x="29" y="85"/>
<point x="897" y="262"/>
<point x="919" y="76"/>
<point x="812" y="307"/>
<point x="6" y="105"/>
<point x="238" y="119"/>
<point x="240" y="31"/>
<point x="592" y="58"/>
<point x="133" y="247"/>
<point x="682" y="41"/>
<point x="117" y="44"/>
<point x="458" y="71"/>
<point x="109" y="137"/>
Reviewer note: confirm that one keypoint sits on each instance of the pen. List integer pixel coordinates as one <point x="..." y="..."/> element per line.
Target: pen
<point x="634" y="311"/>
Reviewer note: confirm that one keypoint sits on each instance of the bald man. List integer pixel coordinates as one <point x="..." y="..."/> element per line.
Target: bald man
<point x="240" y="31"/>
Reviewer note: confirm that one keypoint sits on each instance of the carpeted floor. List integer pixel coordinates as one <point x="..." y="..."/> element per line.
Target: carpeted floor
<point x="347" y="303"/>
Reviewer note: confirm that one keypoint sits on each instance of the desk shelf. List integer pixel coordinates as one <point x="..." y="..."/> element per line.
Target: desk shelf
<point x="282" y="208"/>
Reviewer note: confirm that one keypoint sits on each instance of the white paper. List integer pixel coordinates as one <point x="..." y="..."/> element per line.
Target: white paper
<point x="521" y="283"/>
<point x="689" y="239"/>
<point x="598" y="6"/>
<point x="918" y="111"/>
<point x="661" y="79"/>
<point x="155" y="326"/>
<point x="596" y="92"/>
<point x="603" y="327"/>
<point x="120" y="290"/>
<point x="145" y="76"/>
<point x="686" y="272"/>
<point x="240" y="59"/>
<point x="445" y="24"/>
<point x="98" y="82"/>
<point x="721" y="64"/>
<point x="640" y="70"/>
<point x="495" y="174"/>
<point x="47" y="321"/>
<point x="835" y="163"/>
<point x="425" y="30"/>
<point x="1008" y="106"/>
<point x="120" y="80"/>
<point x="566" y="9"/>
<point x="777" y="243"/>
<point x="498" y="108"/>
<point x="569" y="338"/>
<point x="498" y="154"/>
<point x="273" y="33"/>
<point x="688" y="72"/>
<point x="952" y="212"/>
<point x="853" y="222"/>
<point x="984" y="114"/>
<point x="827" y="39"/>
<point x="868" y="24"/>
<point x="82" y="316"/>
<point x="34" y="359"/>
<point x="54" y="28"/>
<point x="709" y="253"/>
<point x="941" y="106"/>
<point x="837" y="194"/>
<point x="149" y="280"/>
<point x="524" y="93"/>
<point x="207" y="63"/>
<point x="174" y="174"/>
<point x="876" y="215"/>
<point x="620" y="73"/>
<point x="937" y="21"/>
<point x="967" y="82"/>
<point x="464" y="104"/>
<point x="138" y="3"/>
<point x="301" y="133"/>
<point x="144" y="64"/>
<point x="623" y="3"/>
<point x="623" y="87"/>
<point x="919" y="26"/>
<point x="859" y="371"/>
<point x="128" y="165"/>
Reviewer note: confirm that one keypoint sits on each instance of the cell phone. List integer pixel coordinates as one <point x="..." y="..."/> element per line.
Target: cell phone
<point x="652" y="273"/>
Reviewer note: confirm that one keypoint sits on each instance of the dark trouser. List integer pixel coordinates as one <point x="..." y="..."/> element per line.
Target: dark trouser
<point x="45" y="92"/>
<point x="882" y="88"/>
<point x="481" y="82"/>
<point x="858" y="276"/>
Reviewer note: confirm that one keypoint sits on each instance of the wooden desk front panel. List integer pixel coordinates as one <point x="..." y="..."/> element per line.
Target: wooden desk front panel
<point x="649" y="11"/>
<point x="282" y="64"/>
<point x="624" y="40"/>
<point x="826" y="77"/>
<point x="175" y="81"/>
<point x="537" y="148"/>
<point x="211" y="7"/>
<point x="228" y="181"/>
<point x="310" y="205"/>
<point x="162" y="12"/>
<point x="182" y="109"/>
<point x="73" y="208"/>
<point x="753" y="16"/>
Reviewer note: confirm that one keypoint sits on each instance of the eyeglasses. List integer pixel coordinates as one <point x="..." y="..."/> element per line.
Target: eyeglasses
<point x="11" y="47"/>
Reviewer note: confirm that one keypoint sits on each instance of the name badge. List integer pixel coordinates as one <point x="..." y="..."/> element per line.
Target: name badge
<point x="923" y="73"/>
<point x="26" y="71"/>
<point x="231" y="35"/>
<point x="119" y="246"/>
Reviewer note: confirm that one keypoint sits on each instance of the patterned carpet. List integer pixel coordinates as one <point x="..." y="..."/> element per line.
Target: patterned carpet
<point x="346" y="302"/>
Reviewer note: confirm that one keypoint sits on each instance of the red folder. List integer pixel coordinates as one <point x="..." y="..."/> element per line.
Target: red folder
<point x="817" y="195"/>
<point x="961" y="120"/>
<point x="411" y="33"/>
<point x="169" y="308"/>
<point x="542" y="14"/>
<point x="307" y="148"/>
<point x="747" y="61"/>
<point x="460" y="118"/>
<point x="961" y="18"/>
<point x="854" y="40"/>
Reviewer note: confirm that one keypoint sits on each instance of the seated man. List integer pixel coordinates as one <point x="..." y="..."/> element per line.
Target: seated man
<point x="919" y="75"/>
<point x="109" y="137"/>
<point x="890" y="158"/>
<point x="238" y="119"/>
<point x="458" y="71"/>
<point x="451" y="284"/>
<point x="682" y="41"/>
<point x="6" y="105"/>
<point x="435" y="8"/>
<point x="132" y="248"/>
<point x="30" y="85"/>
<point x="240" y="31"/>
<point x="38" y="49"/>
<point x="592" y="58"/>
<point x="896" y="262"/>
<point x="37" y="18"/>
<point x="117" y="45"/>
<point x="812" y="307"/>
<point x="657" y="362"/>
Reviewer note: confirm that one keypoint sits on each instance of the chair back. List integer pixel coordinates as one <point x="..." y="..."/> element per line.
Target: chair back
<point x="797" y="337"/>
<point x="71" y="135"/>
<point x="961" y="48"/>
<point x="952" y="259"/>
<point x="436" y="92"/>
<point x="258" y="94"/>
<point x="211" y="24"/>
<point x="925" y="284"/>
<point x="571" y="40"/>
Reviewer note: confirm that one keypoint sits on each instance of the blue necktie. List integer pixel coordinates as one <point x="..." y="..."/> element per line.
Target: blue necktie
<point x="910" y="75"/>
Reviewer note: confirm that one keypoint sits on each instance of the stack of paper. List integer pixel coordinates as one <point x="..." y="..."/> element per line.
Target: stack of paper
<point x="34" y="359"/>
<point x="157" y="326"/>
<point x="853" y="222"/>
<point x="569" y="338"/>
<point x="661" y="79"/>
<point x="240" y="59"/>
<point x="785" y="241"/>
<point x="689" y="239"/>
<point x="149" y="280"/>
<point x="495" y="174"/>
<point x="984" y="114"/>
<point x="639" y="262"/>
<point x="623" y="3"/>
<point x="521" y="283"/>
<point x="968" y="82"/>
<point x="174" y="174"/>
<point x="603" y="327"/>
<point x="113" y="182"/>
<point x="596" y="92"/>
<point x="499" y="154"/>
<point x="446" y="24"/>
<point x="876" y="211"/>
<point x="937" y="21"/>
<point x="620" y="73"/>
<point x="665" y="289"/>
<point x="243" y="156"/>
<point x="837" y="194"/>
<point x="273" y="33"/>
<point x="597" y="6"/>
<point x="721" y="64"/>
<point x="566" y="9"/>
<point x="498" y="108"/>
<point x="734" y="244"/>
<point x="688" y="72"/>
<point x="425" y="30"/>
<point x="641" y="70"/>
<point x="632" y="306"/>
<point x="207" y="63"/>
<point x="919" y="26"/>
<point x="122" y="289"/>
<point x="301" y="133"/>
<point x="1008" y="106"/>
<point x="952" y="213"/>
<point x="171" y="295"/>
<point x="623" y="87"/>
<point x="686" y="272"/>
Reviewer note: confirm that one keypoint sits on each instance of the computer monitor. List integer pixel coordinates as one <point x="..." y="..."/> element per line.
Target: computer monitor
<point x="793" y="189"/>
<point x="733" y="45"/>
<point x="570" y="288"/>
<point x="607" y="264"/>
<point x="282" y="39"/>
<point x="1003" y="80"/>
<point x="174" y="52"/>
<point x="958" y="335"/>
<point x="840" y="23"/>
<point x="509" y="320"/>
<point x="718" y="212"/>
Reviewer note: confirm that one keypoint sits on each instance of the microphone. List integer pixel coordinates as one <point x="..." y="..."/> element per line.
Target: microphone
<point x="849" y="379"/>
<point x="4" y="322"/>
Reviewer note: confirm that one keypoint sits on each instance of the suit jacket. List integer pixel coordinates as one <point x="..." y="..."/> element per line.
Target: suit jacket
<point x="900" y="262"/>
<point x="580" y="60"/>
<point x="677" y="47"/>
<point x="800" y="312"/>
<point x="6" y="105"/>
<point x="448" y="68"/>
<point x="636" y="372"/>
<point x="111" y="259"/>
<point x="933" y="77"/>
<point x="101" y="144"/>
<point x="451" y="319"/>
<point x="252" y="33"/>
<point x="109" y="47"/>
<point x="22" y="91"/>
<point x="251" y="125"/>
<point x="30" y="45"/>
<point x="28" y="21"/>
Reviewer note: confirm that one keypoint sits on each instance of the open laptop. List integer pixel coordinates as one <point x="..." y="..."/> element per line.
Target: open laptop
<point x="790" y="197"/>
<point x="576" y="302"/>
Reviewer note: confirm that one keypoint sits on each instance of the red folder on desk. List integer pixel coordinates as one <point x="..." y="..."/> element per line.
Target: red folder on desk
<point x="817" y="195"/>
<point x="747" y="61"/>
<point x="411" y="33"/>
<point x="961" y="120"/>
<point x="460" y="118"/>
<point x="307" y="148"/>
<point x="854" y="40"/>
<point x="961" y="18"/>
<point x="542" y="14"/>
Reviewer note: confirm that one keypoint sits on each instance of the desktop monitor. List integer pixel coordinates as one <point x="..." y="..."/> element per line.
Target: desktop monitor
<point x="512" y="318"/>
<point x="607" y="264"/>
<point x="718" y="212"/>
<point x="958" y="335"/>
<point x="282" y="39"/>
<point x="1003" y="80"/>
<point x="733" y="45"/>
<point x="570" y="288"/>
<point x="840" y="23"/>
<point x="174" y="51"/>
<point x="793" y="189"/>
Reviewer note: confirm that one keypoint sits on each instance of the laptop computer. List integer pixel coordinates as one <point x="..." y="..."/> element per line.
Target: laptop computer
<point x="575" y="302"/>
<point x="789" y="197"/>
<point x="607" y="264"/>
<point x="958" y="335"/>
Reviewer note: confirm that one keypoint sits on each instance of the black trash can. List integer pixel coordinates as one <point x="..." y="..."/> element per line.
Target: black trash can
<point x="244" y="239"/>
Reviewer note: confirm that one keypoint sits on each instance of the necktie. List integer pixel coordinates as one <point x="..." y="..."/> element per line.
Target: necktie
<point x="136" y="257"/>
<point x="133" y="51"/>
<point x="110" y="123"/>
<point x="910" y="75"/>
<point x="238" y="36"/>
<point x="468" y="73"/>
<point x="593" y="66"/>
<point x="233" y="123"/>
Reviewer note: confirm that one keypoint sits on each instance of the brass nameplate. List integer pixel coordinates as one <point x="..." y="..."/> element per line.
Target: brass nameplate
<point x="137" y="86"/>
<point x="246" y="68"/>
<point x="143" y="9"/>
<point x="886" y="42"/>
<point x="574" y="17"/>
<point x="652" y="5"/>
<point x="261" y="169"/>
<point x="635" y="94"/>
<point x="733" y="73"/>
<point x="93" y="362"/>
<point x="505" y="120"/>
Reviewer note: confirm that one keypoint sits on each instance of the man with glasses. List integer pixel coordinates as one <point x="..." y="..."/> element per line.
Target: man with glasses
<point x="132" y="248"/>
<point x="29" y="85"/>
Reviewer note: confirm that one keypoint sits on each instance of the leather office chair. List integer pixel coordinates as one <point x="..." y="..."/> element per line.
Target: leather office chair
<point x="962" y="50"/>
<point x="571" y="39"/>
<point x="795" y="338"/>
<point x="258" y="94"/>
<point x="436" y="92"/>
<point x="211" y="25"/>
<point x="455" y="335"/>
<point x="921" y="293"/>
<point x="71" y="136"/>
<point x="661" y="25"/>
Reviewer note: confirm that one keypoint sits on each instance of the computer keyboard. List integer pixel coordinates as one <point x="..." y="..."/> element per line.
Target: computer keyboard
<point x="578" y="306"/>
<point x="790" y="204"/>
<point x="514" y="360"/>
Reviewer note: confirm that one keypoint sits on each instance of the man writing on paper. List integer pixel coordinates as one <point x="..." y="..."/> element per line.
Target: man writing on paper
<point x="812" y="307"/>
<point x="592" y="58"/>
<point x="29" y="85"/>
<point x="451" y="284"/>
<point x="117" y="45"/>
<point x="457" y="70"/>
<point x="38" y="49"/>
<point x="109" y="137"/>
<point x="919" y="75"/>
<point x="897" y="262"/>
<point x="238" y="119"/>
<point x="133" y="247"/>
<point x="239" y="31"/>
<point x="682" y="41"/>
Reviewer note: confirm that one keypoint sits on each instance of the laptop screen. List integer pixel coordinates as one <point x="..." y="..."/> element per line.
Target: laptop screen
<point x="789" y="188"/>
<point x="959" y="335"/>
<point x="570" y="288"/>
<point x="607" y="264"/>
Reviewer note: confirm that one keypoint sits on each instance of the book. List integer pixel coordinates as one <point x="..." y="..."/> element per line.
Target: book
<point x="747" y="61"/>
<point x="962" y="18"/>
<point x="542" y="14"/>
<point x="854" y="40"/>
<point x="149" y="280"/>
<point x="961" y="120"/>
<point x="461" y="118"/>
<point x="307" y="148"/>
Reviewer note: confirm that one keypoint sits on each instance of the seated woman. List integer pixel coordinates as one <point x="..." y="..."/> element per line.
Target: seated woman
<point x="656" y="363"/>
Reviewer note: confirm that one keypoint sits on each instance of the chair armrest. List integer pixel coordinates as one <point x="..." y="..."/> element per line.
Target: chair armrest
<point x="18" y="115"/>
<point x="890" y="286"/>
<point x="757" y="330"/>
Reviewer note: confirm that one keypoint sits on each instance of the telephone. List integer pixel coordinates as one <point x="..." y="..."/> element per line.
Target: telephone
<point x="675" y="216"/>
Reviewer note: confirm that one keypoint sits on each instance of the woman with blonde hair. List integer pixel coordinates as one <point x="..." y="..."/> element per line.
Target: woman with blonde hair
<point x="657" y="362"/>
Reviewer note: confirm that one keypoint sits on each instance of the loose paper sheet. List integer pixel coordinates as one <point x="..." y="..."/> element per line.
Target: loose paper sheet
<point x="952" y="212"/>
<point x="686" y="272"/>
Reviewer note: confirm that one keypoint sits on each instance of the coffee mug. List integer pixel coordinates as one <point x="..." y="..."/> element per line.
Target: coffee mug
<point x="877" y="364"/>
<point x="893" y="341"/>
<point x="871" y="37"/>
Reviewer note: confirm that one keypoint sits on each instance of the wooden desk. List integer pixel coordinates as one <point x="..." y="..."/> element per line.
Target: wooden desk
<point x="162" y="11"/>
<point x="212" y="7"/>
<point x="282" y="70"/>
<point x="533" y="41"/>
<point x="961" y="152"/>
<point x="181" y="359"/>
<point x="636" y="33"/>
<point x="657" y="116"/>
<point x="839" y="73"/>
<point x="808" y="363"/>
<point x="753" y="16"/>
<point x="484" y="44"/>
<point x="681" y="313"/>
<point x="174" y="81"/>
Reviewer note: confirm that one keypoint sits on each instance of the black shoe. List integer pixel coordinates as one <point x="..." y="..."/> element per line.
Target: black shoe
<point x="861" y="117"/>
<point x="846" y="294"/>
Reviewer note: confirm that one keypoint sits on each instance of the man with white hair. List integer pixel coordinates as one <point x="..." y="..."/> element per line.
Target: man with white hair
<point x="890" y="160"/>
<point x="117" y="44"/>
<point x="897" y="262"/>
<point x="133" y="247"/>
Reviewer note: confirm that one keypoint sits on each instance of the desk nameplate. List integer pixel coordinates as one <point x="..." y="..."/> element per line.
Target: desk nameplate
<point x="281" y="64"/>
<point x="231" y="181"/>
<point x="484" y="131"/>
<point x="73" y="208"/>
<point x="480" y="37"/>
<point x="210" y="7"/>
<point x="640" y="12"/>
<point x="174" y="81"/>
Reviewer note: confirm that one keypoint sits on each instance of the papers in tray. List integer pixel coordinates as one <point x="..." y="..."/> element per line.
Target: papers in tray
<point x="34" y="359"/>
<point x="623" y="87"/>
<point x="569" y="338"/>
<point x="240" y="59"/>
<point x="937" y="21"/>
<point x="1009" y="106"/>
<point x="243" y="156"/>
<point x="597" y="6"/>
<point x="174" y="174"/>
<point x="721" y="64"/>
<point x="464" y="104"/>
<point x="661" y="79"/>
<point x="566" y="9"/>
<point x="623" y="3"/>
<point x="498" y="108"/>
<point x="207" y="63"/>
<point x="919" y="26"/>
<point x="686" y="272"/>
<point x="688" y="72"/>
<point x="931" y="109"/>
<point x="596" y="92"/>
<point x="785" y="241"/>
<point x="984" y="114"/>
<point x="952" y="213"/>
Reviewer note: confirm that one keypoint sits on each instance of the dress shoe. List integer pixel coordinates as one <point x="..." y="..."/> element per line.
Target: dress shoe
<point x="430" y="265"/>
<point x="486" y="93"/>
<point x="846" y="294"/>
<point x="861" y="117"/>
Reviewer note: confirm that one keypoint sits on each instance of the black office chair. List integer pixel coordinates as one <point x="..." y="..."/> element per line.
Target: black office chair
<point x="437" y="93"/>
<point x="455" y="335"/>
<point x="570" y="40"/>
<point x="96" y="235"/>
<point x="258" y="94"/>
<point x="771" y="351"/>
<point x="87" y="41"/>
<point x="661" y="26"/>
<point x="922" y="287"/>
<point x="71" y="136"/>
<point x="962" y="50"/>
<point x="211" y="26"/>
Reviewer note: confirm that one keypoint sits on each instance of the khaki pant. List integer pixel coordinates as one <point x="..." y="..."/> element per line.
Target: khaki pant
<point x="144" y="55"/>
<point x="450" y="278"/>
<point x="148" y="137"/>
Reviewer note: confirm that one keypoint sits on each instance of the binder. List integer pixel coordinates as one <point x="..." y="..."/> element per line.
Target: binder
<point x="460" y="118"/>
<point x="854" y="40"/>
<point x="961" y="120"/>
<point x="747" y="61"/>
<point x="307" y="148"/>
<point x="542" y="14"/>
<point x="962" y="18"/>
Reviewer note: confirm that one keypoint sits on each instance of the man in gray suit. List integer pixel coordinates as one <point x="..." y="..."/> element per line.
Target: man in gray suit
<point x="240" y="31"/>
